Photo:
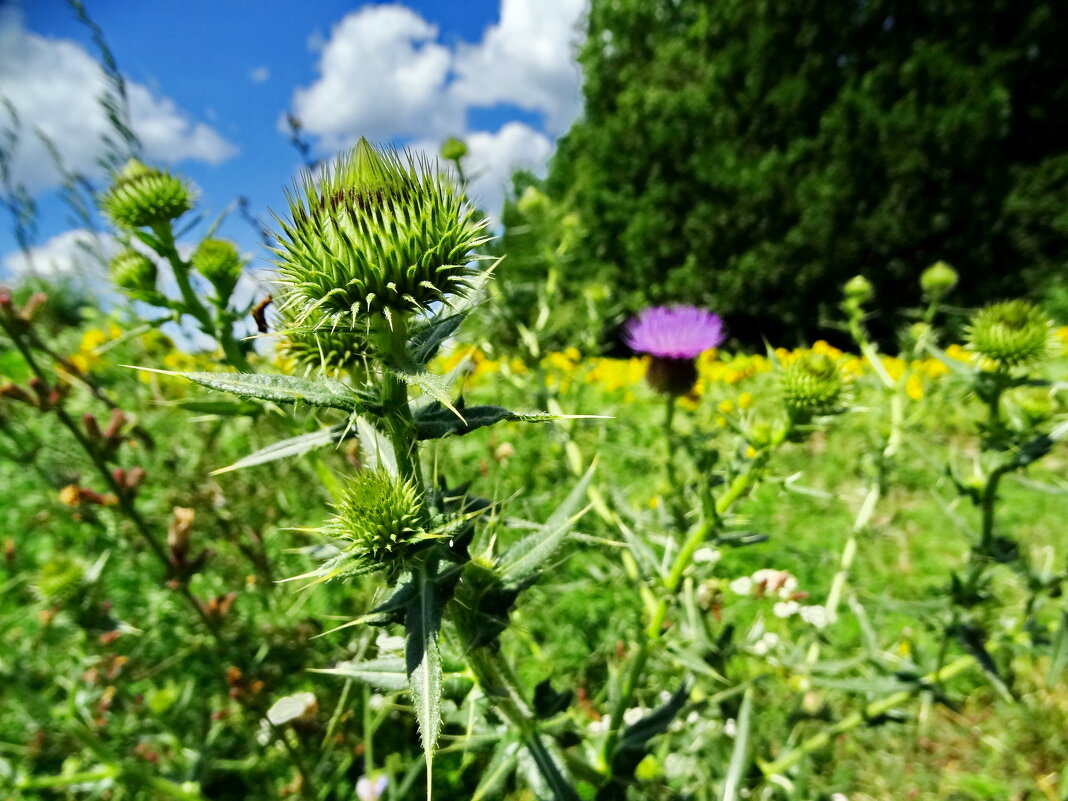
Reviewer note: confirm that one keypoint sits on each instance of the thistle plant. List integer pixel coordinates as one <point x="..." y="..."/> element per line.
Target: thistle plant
<point x="144" y="203"/>
<point x="377" y="257"/>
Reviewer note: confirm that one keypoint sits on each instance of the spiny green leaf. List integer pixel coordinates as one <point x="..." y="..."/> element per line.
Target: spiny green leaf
<point x="434" y="421"/>
<point x="434" y="386"/>
<point x="740" y="754"/>
<point x="635" y="738"/>
<point x="276" y="388"/>
<point x="527" y="555"/>
<point x="423" y="659"/>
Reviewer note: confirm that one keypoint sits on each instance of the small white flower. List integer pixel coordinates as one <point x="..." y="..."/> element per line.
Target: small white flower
<point x="706" y="555"/>
<point x="730" y="728"/>
<point x="693" y="719"/>
<point x="839" y="797"/>
<point x="742" y="586"/>
<point x="786" y="608"/>
<point x="664" y="696"/>
<point x="368" y="789"/>
<point x="815" y="615"/>
<point x="768" y="641"/>
<point x="377" y="701"/>
<point x="600" y="726"/>
<point x="388" y="644"/>
<point x="633" y="715"/>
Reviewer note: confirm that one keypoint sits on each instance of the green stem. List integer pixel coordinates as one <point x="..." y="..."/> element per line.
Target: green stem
<point x="220" y="328"/>
<point x="397" y="414"/>
<point x="654" y="629"/>
<point x="869" y="712"/>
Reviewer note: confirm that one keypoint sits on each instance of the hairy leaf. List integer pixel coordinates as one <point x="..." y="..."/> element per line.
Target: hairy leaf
<point x="276" y="388"/>
<point x="386" y="673"/>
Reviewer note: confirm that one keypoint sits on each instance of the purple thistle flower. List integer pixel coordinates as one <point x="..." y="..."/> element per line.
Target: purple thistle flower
<point x="678" y="332"/>
<point x="674" y="337"/>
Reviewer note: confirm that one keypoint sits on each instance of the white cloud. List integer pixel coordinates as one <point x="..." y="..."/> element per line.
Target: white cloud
<point x="54" y="85"/>
<point x="78" y="253"/>
<point x="527" y="60"/>
<point x="384" y="74"/>
<point x="259" y="74"/>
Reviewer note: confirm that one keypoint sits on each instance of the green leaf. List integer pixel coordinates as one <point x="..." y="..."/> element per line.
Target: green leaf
<point x="502" y="765"/>
<point x="526" y="556"/>
<point x="426" y="340"/>
<point x="423" y="659"/>
<point x="386" y="673"/>
<point x="377" y="450"/>
<point x="634" y="741"/>
<point x="287" y="448"/>
<point x="434" y="421"/>
<point x="432" y="385"/>
<point x="275" y="388"/>
<point x="740" y="754"/>
<point x="223" y="408"/>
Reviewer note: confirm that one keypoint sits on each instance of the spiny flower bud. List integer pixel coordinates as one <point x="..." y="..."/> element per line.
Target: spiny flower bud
<point x="133" y="271"/>
<point x="314" y="347"/>
<point x="937" y="280"/>
<point x="859" y="289"/>
<point x="1011" y="334"/>
<point x="142" y="196"/>
<point x="219" y="262"/>
<point x="380" y="515"/>
<point x="380" y="232"/>
<point x="59" y="579"/>
<point x="812" y="385"/>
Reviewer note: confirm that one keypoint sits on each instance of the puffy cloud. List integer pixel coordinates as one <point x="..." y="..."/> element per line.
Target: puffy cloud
<point x="79" y="253"/>
<point x="527" y="60"/>
<point x="54" y="85"/>
<point x="259" y="74"/>
<point x="384" y="74"/>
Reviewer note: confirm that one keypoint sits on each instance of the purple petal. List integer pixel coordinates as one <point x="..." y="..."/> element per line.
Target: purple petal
<point x="677" y="332"/>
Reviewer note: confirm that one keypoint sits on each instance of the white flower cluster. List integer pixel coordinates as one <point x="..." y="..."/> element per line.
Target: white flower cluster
<point x="781" y="585"/>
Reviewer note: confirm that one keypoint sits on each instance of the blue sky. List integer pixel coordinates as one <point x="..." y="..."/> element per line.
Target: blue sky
<point x="210" y="82"/>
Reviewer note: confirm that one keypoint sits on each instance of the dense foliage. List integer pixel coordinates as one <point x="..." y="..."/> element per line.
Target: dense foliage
<point x="751" y="155"/>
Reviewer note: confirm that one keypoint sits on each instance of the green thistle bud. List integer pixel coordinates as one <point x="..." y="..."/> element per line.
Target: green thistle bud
<point x="133" y="271"/>
<point x="59" y="579"/>
<point x="314" y="346"/>
<point x="380" y="516"/>
<point x="143" y="196"/>
<point x="1011" y="334"/>
<point x="812" y="385"/>
<point x="219" y="262"/>
<point x="454" y="149"/>
<point x="859" y="289"/>
<point x="381" y="232"/>
<point x="937" y="280"/>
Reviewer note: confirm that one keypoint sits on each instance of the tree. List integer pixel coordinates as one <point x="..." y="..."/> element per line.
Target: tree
<point x="753" y="155"/>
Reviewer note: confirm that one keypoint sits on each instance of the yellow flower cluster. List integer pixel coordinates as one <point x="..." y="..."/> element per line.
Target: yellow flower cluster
<point x="88" y="354"/>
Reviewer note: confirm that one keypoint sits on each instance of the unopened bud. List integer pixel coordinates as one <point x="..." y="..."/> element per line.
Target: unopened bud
<point x="859" y="289"/>
<point x="115" y="424"/>
<point x="92" y="428"/>
<point x="937" y="280"/>
<point x="178" y="535"/>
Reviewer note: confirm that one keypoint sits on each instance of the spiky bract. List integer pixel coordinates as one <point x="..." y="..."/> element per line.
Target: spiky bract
<point x="314" y="346"/>
<point x="219" y="262"/>
<point x="380" y="231"/>
<point x="1011" y="334"/>
<point x="143" y="196"/>
<point x="380" y="517"/>
<point x="813" y="385"/>
<point x="60" y="579"/>
<point x="133" y="271"/>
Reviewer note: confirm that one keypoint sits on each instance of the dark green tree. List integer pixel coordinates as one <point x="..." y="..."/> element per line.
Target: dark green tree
<point x="753" y="155"/>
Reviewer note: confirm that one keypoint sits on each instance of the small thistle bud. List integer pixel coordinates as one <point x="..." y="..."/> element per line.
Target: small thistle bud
<point x="380" y="232"/>
<point x="812" y="385"/>
<point x="937" y="280"/>
<point x="60" y="579"/>
<point x="859" y="290"/>
<point x="219" y="262"/>
<point x="454" y="149"/>
<point x="133" y="271"/>
<point x="380" y="515"/>
<point x="1011" y="334"/>
<point x="142" y="196"/>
